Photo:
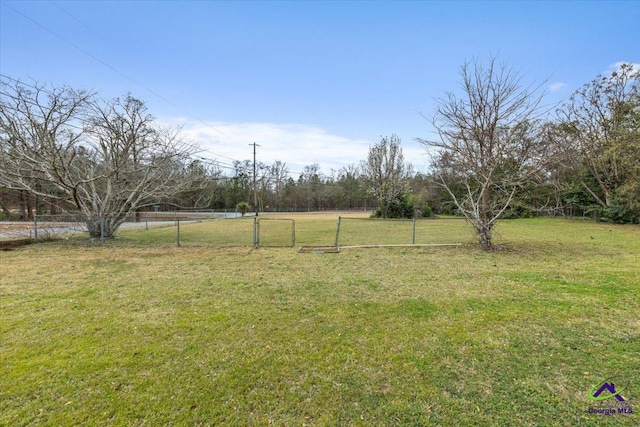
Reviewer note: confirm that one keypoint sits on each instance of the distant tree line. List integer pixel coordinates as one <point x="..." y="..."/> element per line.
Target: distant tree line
<point x="500" y="154"/>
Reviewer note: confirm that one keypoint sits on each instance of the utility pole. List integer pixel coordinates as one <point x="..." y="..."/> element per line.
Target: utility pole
<point x="255" y="188"/>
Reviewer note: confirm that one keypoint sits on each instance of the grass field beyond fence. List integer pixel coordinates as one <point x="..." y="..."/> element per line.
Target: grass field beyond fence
<point x="318" y="229"/>
<point x="133" y="333"/>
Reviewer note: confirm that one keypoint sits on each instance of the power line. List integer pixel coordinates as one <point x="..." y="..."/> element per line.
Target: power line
<point x="40" y="115"/>
<point x="114" y="69"/>
<point x="80" y="22"/>
<point x="118" y="72"/>
<point x="34" y="104"/>
<point x="215" y="163"/>
<point x="221" y="155"/>
<point x="42" y="89"/>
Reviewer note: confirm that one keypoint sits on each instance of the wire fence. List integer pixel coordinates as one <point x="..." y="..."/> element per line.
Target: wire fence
<point x="69" y="226"/>
<point x="389" y="232"/>
<point x="275" y="232"/>
<point x="229" y="229"/>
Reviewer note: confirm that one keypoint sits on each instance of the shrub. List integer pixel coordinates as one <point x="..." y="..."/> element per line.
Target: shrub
<point x="400" y="207"/>
<point x="617" y="215"/>
<point x="243" y="207"/>
<point x="426" y="211"/>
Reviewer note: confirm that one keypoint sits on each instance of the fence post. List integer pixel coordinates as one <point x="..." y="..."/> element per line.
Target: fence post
<point x="35" y="228"/>
<point x="414" y="231"/>
<point x="178" y="232"/>
<point x="337" y="232"/>
<point x="293" y="233"/>
<point x="101" y="229"/>
<point x="255" y="231"/>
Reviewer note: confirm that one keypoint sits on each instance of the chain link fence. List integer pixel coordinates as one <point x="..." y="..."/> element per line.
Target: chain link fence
<point x="356" y="232"/>
<point x="78" y="227"/>
<point x="231" y="229"/>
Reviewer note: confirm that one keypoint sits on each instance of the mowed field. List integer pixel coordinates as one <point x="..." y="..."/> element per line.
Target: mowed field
<point x="140" y="332"/>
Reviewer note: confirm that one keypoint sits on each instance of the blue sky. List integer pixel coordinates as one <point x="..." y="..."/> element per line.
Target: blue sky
<point x="311" y="82"/>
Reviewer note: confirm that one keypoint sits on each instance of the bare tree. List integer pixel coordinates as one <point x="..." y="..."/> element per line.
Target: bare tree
<point x="204" y="189"/>
<point x="310" y="183"/>
<point x="279" y="173"/>
<point x="386" y="172"/>
<point x="488" y="141"/>
<point x="349" y="179"/>
<point x="107" y="159"/>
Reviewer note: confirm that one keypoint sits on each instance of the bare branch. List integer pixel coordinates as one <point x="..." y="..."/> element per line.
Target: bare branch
<point x="104" y="159"/>
<point x="488" y="142"/>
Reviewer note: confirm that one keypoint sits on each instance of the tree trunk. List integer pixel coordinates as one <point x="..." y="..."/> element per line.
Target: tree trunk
<point x="25" y="207"/>
<point x="93" y="226"/>
<point x="102" y="228"/>
<point x="3" y="205"/>
<point x="484" y="234"/>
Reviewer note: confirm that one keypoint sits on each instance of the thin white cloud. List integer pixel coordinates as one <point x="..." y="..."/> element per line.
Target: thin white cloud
<point x="294" y="144"/>
<point x="554" y="87"/>
<point x="297" y="145"/>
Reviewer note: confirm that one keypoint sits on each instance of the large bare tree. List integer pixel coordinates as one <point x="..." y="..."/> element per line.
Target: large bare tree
<point x="106" y="159"/>
<point x="488" y="140"/>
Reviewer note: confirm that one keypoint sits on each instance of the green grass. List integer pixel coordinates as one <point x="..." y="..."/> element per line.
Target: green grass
<point x="136" y="334"/>
<point x="364" y="231"/>
<point x="310" y="229"/>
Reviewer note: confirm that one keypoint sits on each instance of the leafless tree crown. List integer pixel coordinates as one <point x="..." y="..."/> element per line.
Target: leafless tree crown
<point x="488" y="141"/>
<point x="105" y="159"/>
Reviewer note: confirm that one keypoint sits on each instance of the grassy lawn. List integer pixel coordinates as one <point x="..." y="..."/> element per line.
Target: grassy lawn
<point x="134" y="333"/>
